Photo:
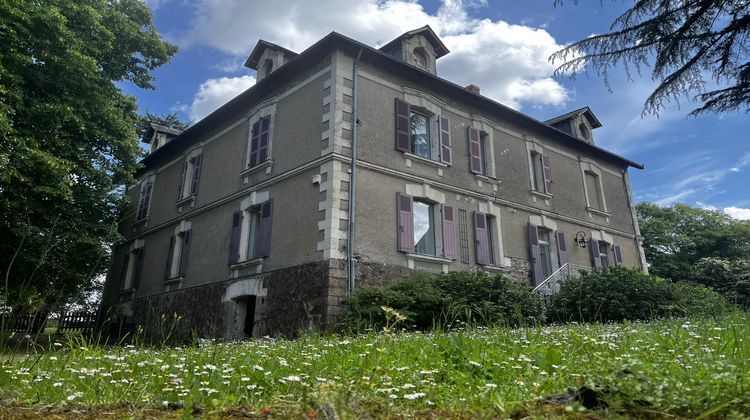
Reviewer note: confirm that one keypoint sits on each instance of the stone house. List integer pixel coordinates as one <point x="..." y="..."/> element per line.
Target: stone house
<point x="242" y="223"/>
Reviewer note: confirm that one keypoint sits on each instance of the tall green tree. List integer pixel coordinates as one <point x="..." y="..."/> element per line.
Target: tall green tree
<point x="692" y="47"/>
<point x="171" y="120"/>
<point x="676" y="238"/>
<point x="67" y="137"/>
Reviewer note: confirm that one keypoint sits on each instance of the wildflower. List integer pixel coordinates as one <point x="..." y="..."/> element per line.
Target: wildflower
<point x="473" y="363"/>
<point x="414" y="396"/>
<point x="292" y="378"/>
<point x="490" y="385"/>
<point x="57" y="384"/>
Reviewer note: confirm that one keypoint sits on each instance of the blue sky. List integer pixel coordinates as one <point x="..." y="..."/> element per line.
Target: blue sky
<point x="501" y="46"/>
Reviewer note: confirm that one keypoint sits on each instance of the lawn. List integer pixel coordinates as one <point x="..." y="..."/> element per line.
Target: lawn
<point x="686" y="368"/>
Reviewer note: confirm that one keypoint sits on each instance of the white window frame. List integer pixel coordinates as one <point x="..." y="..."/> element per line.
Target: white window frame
<point x="594" y="168"/>
<point x="130" y="270"/>
<point x="487" y="146"/>
<point x="190" y="159"/>
<point x="266" y="111"/>
<point x="495" y="225"/>
<point x="432" y="108"/>
<point x="425" y="193"/>
<point x="248" y="206"/>
<point x="535" y="146"/>
<point x="147" y="179"/>
<point x="179" y="236"/>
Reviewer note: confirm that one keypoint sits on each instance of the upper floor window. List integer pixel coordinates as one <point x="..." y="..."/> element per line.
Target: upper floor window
<point x="420" y="59"/>
<point x="540" y="173"/>
<point x="585" y="133"/>
<point x="144" y="199"/>
<point x="420" y="134"/>
<point x="191" y="174"/>
<point x="267" y="68"/>
<point x="416" y="133"/>
<point x="260" y="139"/>
<point x="593" y="189"/>
<point x="485" y="147"/>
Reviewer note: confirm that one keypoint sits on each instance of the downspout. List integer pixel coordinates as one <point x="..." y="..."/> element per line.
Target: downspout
<point x="634" y="217"/>
<point x="350" y="272"/>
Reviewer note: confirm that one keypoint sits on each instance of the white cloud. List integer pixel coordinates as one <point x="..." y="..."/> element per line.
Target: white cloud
<point x="508" y="62"/>
<point x="738" y="212"/>
<point x="214" y="93"/>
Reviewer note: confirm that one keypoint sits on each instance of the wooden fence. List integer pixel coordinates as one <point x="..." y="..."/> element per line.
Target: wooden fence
<point x="82" y="322"/>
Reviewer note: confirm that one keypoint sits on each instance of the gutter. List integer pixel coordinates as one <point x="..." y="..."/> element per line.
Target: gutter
<point x="350" y="272"/>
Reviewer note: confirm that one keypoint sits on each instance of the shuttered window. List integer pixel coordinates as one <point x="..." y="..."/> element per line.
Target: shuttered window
<point x="424" y="228"/>
<point x="475" y="150"/>
<point x="190" y="177"/>
<point x="139" y="255"/>
<point x="481" y="239"/>
<point x="463" y="235"/>
<point x="537" y="272"/>
<point x="449" y="231"/>
<point x="254" y="227"/>
<point x="537" y="172"/>
<point x="419" y="134"/>
<point x="405" y="222"/>
<point x="260" y="142"/>
<point x="562" y="249"/>
<point x="446" y="143"/>
<point x="617" y="252"/>
<point x="178" y="255"/>
<point x="144" y="200"/>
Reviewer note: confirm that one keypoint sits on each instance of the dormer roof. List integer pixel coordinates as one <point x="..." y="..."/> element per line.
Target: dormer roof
<point x="158" y="128"/>
<point x="254" y="59"/>
<point x="586" y="111"/>
<point x="437" y="44"/>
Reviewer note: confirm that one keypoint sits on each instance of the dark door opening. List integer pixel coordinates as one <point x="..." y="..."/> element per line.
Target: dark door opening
<point x="249" y="316"/>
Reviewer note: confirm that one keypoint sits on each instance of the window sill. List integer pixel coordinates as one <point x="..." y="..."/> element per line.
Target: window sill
<point x="189" y="199"/>
<point x="140" y="222"/>
<point x="128" y="292"/>
<point x="246" y="263"/>
<point x="429" y="258"/>
<point x="485" y="178"/>
<point x="257" y="168"/>
<point x="598" y="212"/>
<point x="494" y="268"/>
<point x="436" y="163"/>
<point x="536" y="193"/>
<point x="174" y="280"/>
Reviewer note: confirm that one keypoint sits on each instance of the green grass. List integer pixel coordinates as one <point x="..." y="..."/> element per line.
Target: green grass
<point x="672" y="367"/>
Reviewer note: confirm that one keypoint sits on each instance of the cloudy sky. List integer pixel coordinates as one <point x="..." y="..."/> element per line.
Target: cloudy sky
<point x="500" y="46"/>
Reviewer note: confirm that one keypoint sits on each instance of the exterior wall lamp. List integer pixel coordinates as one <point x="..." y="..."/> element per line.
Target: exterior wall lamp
<point x="581" y="240"/>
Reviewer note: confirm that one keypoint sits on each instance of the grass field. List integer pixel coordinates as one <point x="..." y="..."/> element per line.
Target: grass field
<point x="667" y="368"/>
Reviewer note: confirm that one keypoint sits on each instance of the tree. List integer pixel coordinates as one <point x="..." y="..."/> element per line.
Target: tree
<point x="697" y="47"/>
<point x="171" y="120"/>
<point x="67" y="137"/>
<point x="676" y="238"/>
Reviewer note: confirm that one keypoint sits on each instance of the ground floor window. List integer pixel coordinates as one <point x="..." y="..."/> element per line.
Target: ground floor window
<point x="424" y="228"/>
<point x="545" y="251"/>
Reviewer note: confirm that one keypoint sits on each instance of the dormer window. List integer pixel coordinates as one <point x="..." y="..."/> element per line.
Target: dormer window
<point x="584" y="131"/>
<point x="420" y="59"/>
<point x="267" y="68"/>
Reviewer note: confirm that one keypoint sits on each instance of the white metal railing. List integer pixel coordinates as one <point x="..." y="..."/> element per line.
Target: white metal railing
<point x="551" y="284"/>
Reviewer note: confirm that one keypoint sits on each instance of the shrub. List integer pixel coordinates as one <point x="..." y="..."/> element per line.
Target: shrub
<point x="611" y="294"/>
<point x="690" y="299"/>
<point x="731" y="278"/>
<point x="444" y="301"/>
<point x="617" y="294"/>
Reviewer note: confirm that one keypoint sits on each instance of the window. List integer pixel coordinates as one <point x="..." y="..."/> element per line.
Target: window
<point x="420" y="59"/>
<point x="485" y="154"/>
<point x="593" y="189"/>
<point x="585" y="134"/>
<point x="603" y="253"/>
<point x="545" y="252"/>
<point x="260" y="139"/>
<point x="424" y="228"/>
<point x="484" y="236"/>
<point x="463" y="233"/>
<point x="179" y="252"/>
<point x="144" y="200"/>
<point x="251" y="233"/>
<point x="130" y="277"/>
<point x="537" y="169"/>
<point x="420" y="134"/>
<point x="267" y="68"/>
<point x="191" y="173"/>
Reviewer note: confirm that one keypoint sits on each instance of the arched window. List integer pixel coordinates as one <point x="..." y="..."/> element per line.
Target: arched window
<point x="420" y="59"/>
<point x="584" y="131"/>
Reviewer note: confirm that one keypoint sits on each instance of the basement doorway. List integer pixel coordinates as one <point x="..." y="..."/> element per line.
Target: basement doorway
<point x="249" y="316"/>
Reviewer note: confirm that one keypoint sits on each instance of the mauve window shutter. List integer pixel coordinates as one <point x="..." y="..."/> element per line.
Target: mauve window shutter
<point x="481" y="238"/>
<point x="234" y="239"/>
<point x="264" y="139"/>
<point x="403" y="126"/>
<point x="182" y="180"/>
<point x="537" y="273"/>
<point x="446" y="145"/>
<point x="266" y="219"/>
<point x="170" y="254"/>
<point x="618" y="255"/>
<point x="138" y="268"/>
<point x="547" y="174"/>
<point x="449" y="232"/>
<point x="196" y="174"/>
<point x="562" y="248"/>
<point x="475" y="151"/>
<point x="254" y="141"/>
<point x="596" y="260"/>
<point x="124" y="272"/>
<point x="405" y="222"/>
<point x="185" y="253"/>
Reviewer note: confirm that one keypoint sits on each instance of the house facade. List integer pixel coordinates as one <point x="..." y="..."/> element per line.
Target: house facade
<point x="347" y="165"/>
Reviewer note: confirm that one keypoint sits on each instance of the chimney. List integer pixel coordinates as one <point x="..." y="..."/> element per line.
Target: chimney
<point x="473" y="89"/>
